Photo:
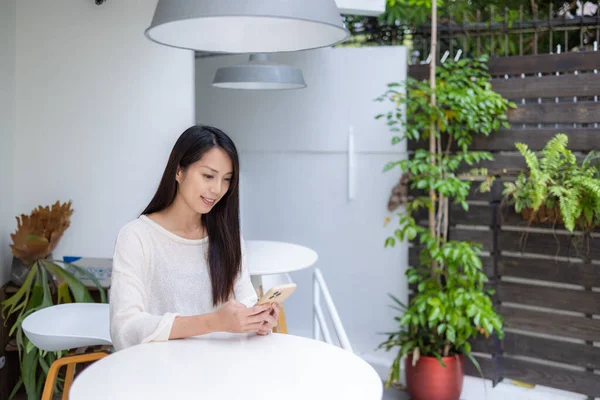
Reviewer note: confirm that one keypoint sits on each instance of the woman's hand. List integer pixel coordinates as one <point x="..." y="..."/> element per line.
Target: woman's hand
<point x="268" y="325"/>
<point x="235" y="317"/>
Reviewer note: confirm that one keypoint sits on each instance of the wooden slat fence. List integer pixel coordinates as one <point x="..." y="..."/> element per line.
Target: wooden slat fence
<point x="547" y="281"/>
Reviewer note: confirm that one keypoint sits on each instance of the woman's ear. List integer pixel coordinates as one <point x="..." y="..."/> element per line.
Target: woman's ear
<point x="178" y="175"/>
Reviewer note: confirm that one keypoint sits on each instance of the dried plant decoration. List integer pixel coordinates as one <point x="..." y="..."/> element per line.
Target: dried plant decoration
<point x="38" y="234"/>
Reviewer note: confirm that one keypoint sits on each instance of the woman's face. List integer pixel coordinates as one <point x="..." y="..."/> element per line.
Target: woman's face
<point x="205" y="182"/>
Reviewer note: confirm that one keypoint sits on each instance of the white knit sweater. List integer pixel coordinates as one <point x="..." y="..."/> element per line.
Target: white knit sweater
<point x="157" y="276"/>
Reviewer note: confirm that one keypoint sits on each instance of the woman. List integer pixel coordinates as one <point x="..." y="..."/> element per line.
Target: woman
<point x="179" y="270"/>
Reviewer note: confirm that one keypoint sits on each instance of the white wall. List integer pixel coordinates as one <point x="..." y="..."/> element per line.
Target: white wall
<point x="293" y="152"/>
<point x="7" y="130"/>
<point x="99" y="108"/>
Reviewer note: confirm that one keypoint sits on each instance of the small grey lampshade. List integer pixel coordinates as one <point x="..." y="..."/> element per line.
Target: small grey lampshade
<point x="260" y="73"/>
<point x="247" y="26"/>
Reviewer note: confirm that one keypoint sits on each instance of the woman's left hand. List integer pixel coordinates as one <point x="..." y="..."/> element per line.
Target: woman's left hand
<point x="268" y="325"/>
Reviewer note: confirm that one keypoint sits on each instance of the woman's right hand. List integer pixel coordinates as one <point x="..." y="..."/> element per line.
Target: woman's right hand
<point x="235" y="317"/>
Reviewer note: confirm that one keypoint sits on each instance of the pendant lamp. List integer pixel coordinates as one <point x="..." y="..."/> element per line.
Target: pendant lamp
<point x="260" y="73"/>
<point x="247" y="26"/>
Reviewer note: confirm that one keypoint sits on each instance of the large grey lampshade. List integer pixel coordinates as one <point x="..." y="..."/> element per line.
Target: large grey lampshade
<point x="247" y="26"/>
<point x="260" y="73"/>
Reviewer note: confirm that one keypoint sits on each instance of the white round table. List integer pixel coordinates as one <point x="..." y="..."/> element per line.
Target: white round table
<point x="276" y="258"/>
<point x="228" y="366"/>
<point x="269" y="258"/>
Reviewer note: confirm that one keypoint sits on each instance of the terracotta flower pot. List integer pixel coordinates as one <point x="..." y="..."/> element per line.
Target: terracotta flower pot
<point x="429" y="380"/>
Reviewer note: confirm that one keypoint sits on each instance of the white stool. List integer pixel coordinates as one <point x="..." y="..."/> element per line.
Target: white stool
<point x="268" y="258"/>
<point x="67" y="327"/>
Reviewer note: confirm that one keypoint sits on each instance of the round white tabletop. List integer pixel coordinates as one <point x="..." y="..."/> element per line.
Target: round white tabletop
<point x="268" y="258"/>
<point x="228" y="366"/>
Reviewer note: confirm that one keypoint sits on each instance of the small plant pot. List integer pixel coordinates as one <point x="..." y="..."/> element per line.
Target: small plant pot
<point x="551" y="216"/>
<point x="19" y="271"/>
<point x="429" y="379"/>
<point x="544" y="215"/>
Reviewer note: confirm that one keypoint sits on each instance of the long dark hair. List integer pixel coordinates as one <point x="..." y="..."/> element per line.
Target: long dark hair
<point x="223" y="221"/>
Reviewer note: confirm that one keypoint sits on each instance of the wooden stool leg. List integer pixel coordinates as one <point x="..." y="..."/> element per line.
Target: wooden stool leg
<point x="281" y="324"/>
<point x="70" y="361"/>
<point x="50" y="379"/>
<point x="68" y="381"/>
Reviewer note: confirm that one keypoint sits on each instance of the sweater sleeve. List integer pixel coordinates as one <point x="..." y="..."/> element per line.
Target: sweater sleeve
<point x="130" y="323"/>
<point x="243" y="290"/>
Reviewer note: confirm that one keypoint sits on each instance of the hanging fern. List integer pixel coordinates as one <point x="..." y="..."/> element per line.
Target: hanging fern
<point x="537" y="183"/>
<point x="555" y="179"/>
<point x="555" y="154"/>
<point x="568" y="207"/>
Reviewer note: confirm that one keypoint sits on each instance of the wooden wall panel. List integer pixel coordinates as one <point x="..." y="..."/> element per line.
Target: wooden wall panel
<point x="544" y="63"/>
<point x="550" y="270"/>
<point x="551" y="323"/>
<point x="584" y="301"/>
<point x="483" y="237"/>
<point x="582" y="382"/>
<point x="561" y="245"/>
<point x="560" y="113"/>
<point x="488" y="367"/>
<point x="553" y="350"/>
<point x="533" y="123"/>
<point x="549" y="86"/>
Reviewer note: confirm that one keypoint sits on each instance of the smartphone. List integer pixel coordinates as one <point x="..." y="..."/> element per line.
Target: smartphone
<point x="278" y="293"/>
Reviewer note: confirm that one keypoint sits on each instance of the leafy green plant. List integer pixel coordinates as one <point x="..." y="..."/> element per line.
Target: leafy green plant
<point x="412" y="12"/>
<point x="408" y="22"/>
<point x="47" y="283"/>
<point x="451" y="305"/>
<point x="566" y="190"/>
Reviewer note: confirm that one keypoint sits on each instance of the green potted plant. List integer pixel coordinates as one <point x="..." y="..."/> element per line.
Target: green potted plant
<point x="557" y="188"/>
<point x="451" y="305"/>
<point x="46" y="283"/>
